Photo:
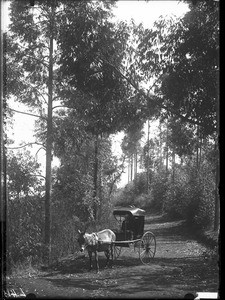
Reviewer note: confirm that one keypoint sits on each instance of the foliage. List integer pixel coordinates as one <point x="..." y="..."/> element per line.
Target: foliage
<point x="176" y="201"/>
<point x="64" y="234"/>
<point x="158" y="190"/>
<point x="25" y="229"/>
<point x="23" y="174"/>
<point x="196" y="68"/>
<point x="134" y="193"/>
<point x="149" y="155"/>
<point x="74" y="178"/>
<point x="191" y="197"/>
<point x="91" y="85"/>
<point x="131" y="140"/>
<point x="183" y="55"/>
<point x="27" y="53"/>
<point x="181" y="137"/>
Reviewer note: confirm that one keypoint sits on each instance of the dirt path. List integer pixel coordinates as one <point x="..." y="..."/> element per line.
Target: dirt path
<point x="181" y="265"/>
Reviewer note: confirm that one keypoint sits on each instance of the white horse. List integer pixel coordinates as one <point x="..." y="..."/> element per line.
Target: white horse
<point x="101" y="241"/>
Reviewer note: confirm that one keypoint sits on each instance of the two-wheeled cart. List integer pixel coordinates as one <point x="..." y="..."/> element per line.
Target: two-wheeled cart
<point x="131" y="235"/>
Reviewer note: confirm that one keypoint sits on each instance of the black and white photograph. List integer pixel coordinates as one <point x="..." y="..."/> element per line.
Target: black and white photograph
<point x="110" y="154"/>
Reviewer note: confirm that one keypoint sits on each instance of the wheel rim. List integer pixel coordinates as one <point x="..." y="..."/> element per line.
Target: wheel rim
<point x="147" y="248"/>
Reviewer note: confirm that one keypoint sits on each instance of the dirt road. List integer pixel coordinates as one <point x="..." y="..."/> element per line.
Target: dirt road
<point x="181" y="265"/>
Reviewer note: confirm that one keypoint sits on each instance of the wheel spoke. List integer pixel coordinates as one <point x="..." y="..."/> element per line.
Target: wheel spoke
<point x="147" y="248"/>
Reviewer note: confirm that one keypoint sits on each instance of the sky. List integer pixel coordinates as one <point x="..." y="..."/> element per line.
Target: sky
<point x="149" y="12"/>
<point x="140" y="11"/>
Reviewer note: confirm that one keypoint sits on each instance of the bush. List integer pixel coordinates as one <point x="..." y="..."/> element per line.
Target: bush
<point x="158" y="192"/>
<point x="25" y="226"/>
<point x="140" y="184"/>
<point x="64" y="237"/>
<point x="191" y="197"/>
<point x="204" y="215"/>
<point x="127" y="196"/>
<point x="176" y="201"/>
<point x="143" y="201"/>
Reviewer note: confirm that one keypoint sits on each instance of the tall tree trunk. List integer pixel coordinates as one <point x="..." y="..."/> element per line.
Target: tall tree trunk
<point x="95" y="178"/>
<point x="148" y="157"/>
<point x="100" y="184"/>
<point x="167" y="149"/>
<point x="173" y="166"/>
<point x="131" y="167"/>
<point x="197" y="151"/>
<point x="5" y="236"/>
<point x="200" y="152"/>
<point x="128" y="170"/>
<point x="3" y="171"/>
<point x="49" y="145"/>
<point x="135" y="163"/>
<point x="217" y="176"/>
<point x="160" y="145"/>
<point x="217" y="173"/>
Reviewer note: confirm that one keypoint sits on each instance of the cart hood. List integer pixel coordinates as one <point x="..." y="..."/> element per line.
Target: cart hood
<point x="135" y="211"/>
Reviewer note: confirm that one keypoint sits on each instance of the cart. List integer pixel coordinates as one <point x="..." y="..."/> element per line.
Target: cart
<point x="131" y="235"/>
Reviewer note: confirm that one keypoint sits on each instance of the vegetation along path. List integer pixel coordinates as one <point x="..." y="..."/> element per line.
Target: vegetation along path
<point x="181" y="265"/>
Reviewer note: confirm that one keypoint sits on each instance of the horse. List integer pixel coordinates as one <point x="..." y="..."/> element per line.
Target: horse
<point x="95" y="242"/>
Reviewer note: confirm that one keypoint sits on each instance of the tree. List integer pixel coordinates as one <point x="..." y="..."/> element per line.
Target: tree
<point x="92" y="87"/>
<point x="131" y="146"/>
<point x="30" y="59"/>
<point x="23" y="174"/>
<point x="196" y="73"/>
<point x="74" y="178"/>
<point x="192" y="82"/>
<point x="184" y="57"/>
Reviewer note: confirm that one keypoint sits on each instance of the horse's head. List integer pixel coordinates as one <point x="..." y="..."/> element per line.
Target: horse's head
<point x="81" y="240"/>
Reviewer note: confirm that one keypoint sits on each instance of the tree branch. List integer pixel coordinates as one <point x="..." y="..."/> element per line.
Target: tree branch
<point x="38" y="175"/>
<point x="184" y="118"/>
<point x="36" y="88"/>
<point x="61" y="106"/>
<point x="29" y="114"/>
<point x="45" y="63"/>
<point x="39" y="150"/>
<point x="28" y="144"/>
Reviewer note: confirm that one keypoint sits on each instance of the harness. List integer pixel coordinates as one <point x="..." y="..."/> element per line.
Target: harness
<point x="93" y="241"/>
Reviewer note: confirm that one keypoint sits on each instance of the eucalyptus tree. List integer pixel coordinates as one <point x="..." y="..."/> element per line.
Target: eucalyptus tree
<point x="195" y="72"/>
<point x="31" y="66"/>
<point x="186" y="56"/>
<point x="131" y="146"/>
<point x="74" y="146"/>
<point x="103" y="100"/>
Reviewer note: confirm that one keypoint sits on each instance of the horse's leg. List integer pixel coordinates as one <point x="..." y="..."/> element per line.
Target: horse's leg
<point x="90" y="260"/>
<point x="96" y="261"/>
<point x="107" y="254"/>
<point x="111" y="254"/>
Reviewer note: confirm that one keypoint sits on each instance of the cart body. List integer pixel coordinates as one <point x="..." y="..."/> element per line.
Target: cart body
<point x="131" y="223"/>
<point x="130" y="234"/>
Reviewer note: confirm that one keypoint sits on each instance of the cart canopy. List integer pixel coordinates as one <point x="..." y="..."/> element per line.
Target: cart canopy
<point x="132" y="210"/>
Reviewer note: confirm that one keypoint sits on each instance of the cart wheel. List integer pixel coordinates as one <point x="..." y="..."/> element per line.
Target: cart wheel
<point x="117" y="251"/>
<point x="147" y="248"/>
